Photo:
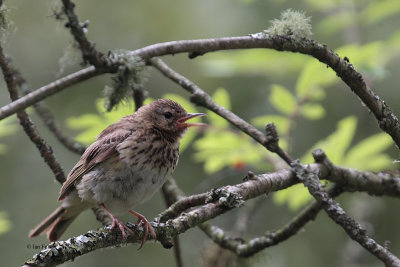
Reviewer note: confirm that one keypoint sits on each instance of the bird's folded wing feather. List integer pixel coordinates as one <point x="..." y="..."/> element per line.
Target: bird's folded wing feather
<point x="101" y="150"/>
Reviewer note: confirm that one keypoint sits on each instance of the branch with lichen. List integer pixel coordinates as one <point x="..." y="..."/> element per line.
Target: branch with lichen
<point x="128" y="79"/>
<point x="382" y="112"/>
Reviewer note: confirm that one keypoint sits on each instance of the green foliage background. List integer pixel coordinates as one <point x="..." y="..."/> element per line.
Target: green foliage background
<point x="307" y="101"/>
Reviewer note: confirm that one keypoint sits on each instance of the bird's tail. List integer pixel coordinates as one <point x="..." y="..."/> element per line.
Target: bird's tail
<point x="56" y="223"/>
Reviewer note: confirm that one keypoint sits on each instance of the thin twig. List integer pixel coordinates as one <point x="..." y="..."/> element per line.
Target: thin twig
<point x="30" y="129"/>
<point x="273" y="144"/>
<point x="89" y="53"/>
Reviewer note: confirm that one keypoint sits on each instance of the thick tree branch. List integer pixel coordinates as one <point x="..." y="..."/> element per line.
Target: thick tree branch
<point x="386" y="119"/>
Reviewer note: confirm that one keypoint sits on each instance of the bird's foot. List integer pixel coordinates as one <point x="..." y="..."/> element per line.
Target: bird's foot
<point x="116" y="222"/>
<point x="147" y="226"/>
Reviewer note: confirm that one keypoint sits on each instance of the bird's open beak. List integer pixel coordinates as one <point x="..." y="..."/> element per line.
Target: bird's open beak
<point x="182" y="121"/>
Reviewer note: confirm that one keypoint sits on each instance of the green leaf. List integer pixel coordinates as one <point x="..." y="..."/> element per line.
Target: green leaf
<point x="7" y="126"/>
<point x="214" y="164"/>
<point x="379" y="10"/>
<point x="312" y="111"/>
<point x="315" y="93"/>
<point x="282" y="99"/>
<point x="295" y="197"/>
<point x="222" y="98"/>
<point x="366" y="155"/>
<point x="220" y="148"/>
<point x="5" y="223"/>
<point x="281" y="122"/>
<point x="336" y="144"/>
<point x="191" y="133"/>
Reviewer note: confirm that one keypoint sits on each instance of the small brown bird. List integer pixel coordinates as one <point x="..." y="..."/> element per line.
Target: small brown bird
<point x="128" y="163"/>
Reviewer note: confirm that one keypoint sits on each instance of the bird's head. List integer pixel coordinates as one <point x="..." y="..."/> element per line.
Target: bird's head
<point x="167" y="116"/>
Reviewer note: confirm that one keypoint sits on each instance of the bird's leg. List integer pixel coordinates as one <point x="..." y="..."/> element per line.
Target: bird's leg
<point x="146" y="225"/>
<point x="116" y="221"/>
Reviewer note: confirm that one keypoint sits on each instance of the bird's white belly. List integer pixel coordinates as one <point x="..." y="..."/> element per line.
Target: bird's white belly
<point x="123" y="189"/>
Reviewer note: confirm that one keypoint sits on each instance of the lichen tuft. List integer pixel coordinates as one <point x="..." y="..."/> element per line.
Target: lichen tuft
<point x="293" y="23"/>
<point x="129" y="77"/>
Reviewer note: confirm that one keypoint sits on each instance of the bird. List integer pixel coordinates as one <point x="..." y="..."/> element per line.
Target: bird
<point x="130" y="160"/>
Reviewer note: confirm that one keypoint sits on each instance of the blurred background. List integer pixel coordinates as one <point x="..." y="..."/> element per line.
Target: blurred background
<point x="309" y="104"/>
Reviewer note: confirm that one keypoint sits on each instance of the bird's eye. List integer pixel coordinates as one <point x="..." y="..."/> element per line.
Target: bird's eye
<point x="167" y="115"/>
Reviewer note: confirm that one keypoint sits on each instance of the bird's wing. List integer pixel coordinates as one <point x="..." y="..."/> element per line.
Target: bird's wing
<point x="101" y="150"/>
